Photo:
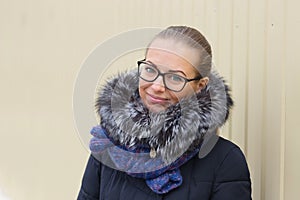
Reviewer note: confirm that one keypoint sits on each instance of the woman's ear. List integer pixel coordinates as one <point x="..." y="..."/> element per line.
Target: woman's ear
<point x="202" y="83"/>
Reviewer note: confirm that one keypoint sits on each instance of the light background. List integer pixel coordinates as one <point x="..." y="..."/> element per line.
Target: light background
<point x="43" y="44"/>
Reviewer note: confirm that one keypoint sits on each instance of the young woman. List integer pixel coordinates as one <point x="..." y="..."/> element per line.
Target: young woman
<point x="158" y="133"/>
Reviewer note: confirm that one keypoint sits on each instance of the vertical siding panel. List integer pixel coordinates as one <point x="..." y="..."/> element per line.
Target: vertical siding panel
<point x="122" y="15"/>
<point x="255" y="95"/>
<point x="218" y="20"/>
<point x="223" y="60"/>
<point x="292" y="161"/>
<point x="174" y="17"/>
<point x="199" y="14"/>
<point x="154" y="11"/>
<point x="187" y="11"/>
<point x="239" y="64"/>
<point x="272" y="147"/>
<point x="211" y="23"/>
<point x="139" y="13"/>
<point x="193" y="13"/>
<point x="166" y="15"/>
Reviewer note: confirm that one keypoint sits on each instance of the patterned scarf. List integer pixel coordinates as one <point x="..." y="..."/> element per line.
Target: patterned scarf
<point x="136" y="162"/>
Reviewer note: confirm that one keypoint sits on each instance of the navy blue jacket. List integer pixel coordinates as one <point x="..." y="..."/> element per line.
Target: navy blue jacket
<point x="222" y="175"/>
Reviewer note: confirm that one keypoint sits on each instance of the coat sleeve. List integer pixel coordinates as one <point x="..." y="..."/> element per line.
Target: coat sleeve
<point x="90" y="184"/>
<point x="232" y="179"/>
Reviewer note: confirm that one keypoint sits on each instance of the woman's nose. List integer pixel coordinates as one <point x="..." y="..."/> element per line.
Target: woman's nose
<point x="158" y="84"/>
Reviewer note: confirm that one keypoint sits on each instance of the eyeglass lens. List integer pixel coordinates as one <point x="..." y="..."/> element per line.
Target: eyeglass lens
<point x="150" y="73"/>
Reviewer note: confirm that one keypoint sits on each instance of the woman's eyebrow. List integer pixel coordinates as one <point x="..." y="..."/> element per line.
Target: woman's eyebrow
<point x="177" y="71"/>
<point x="148" y="61"/>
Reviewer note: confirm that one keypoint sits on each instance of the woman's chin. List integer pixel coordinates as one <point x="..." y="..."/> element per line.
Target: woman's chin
<point x="156" y="108"/>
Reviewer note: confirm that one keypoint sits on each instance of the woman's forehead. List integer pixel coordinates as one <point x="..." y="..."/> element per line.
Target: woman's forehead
<point x="173" y="51"/>
<point x="166" y="61"/>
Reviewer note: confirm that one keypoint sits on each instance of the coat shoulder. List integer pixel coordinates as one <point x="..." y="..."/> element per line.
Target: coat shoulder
<point x="232" y="162"/>
<point x="224" y="162"/>
<point x="228" y="171"/>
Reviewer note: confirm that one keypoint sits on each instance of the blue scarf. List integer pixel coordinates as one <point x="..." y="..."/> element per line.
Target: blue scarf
<point x="136" y="162"/>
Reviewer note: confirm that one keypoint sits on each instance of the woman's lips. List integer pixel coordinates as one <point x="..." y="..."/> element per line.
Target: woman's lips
<point x="157" y="100"/>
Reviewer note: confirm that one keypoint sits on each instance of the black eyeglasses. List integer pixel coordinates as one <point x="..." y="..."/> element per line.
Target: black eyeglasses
<point x="149" y="72"/>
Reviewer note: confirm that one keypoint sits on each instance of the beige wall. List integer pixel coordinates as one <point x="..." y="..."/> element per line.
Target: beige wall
<point x="43" y="43"/>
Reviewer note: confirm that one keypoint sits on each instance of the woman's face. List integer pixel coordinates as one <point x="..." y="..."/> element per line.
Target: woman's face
<point x="170" y="56"/>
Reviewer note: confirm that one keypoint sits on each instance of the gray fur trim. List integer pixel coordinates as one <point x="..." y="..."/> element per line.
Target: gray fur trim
<point x="171" y="132"/>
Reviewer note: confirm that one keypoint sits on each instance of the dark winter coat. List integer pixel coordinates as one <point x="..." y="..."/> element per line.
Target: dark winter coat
<point x="219" y="172"/>
<point x="221" y="175"/>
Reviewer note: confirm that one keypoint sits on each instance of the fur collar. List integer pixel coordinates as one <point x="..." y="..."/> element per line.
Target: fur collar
<point x="180" y="128"/>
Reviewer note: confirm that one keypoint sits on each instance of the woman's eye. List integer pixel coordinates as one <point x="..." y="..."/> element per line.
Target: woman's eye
<point x="176" y="78"/>
<point x="150" y="70"/>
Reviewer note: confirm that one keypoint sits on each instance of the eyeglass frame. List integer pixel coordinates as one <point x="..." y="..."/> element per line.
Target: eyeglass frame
<point x="163" y="75"/>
